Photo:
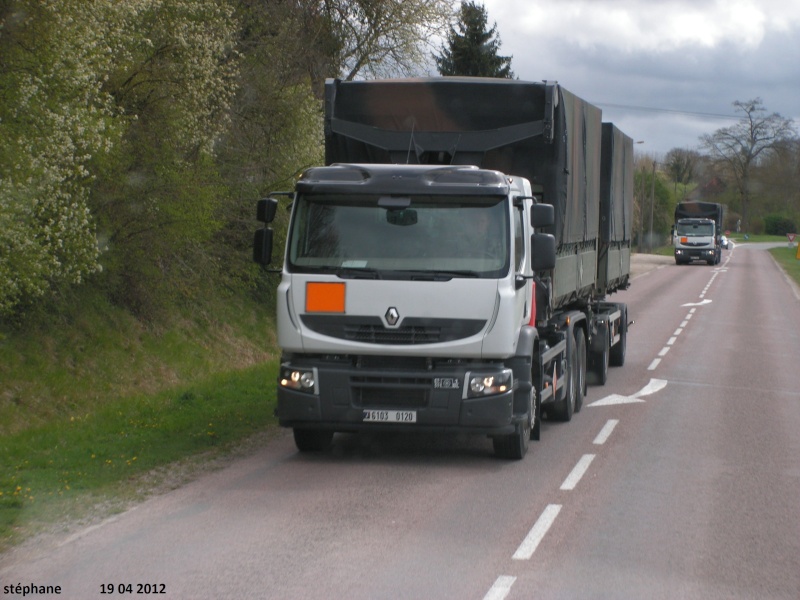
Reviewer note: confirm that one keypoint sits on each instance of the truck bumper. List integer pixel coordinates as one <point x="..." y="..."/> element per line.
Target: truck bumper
<point x="344" y="395"/>
<point x="686" y="255"/>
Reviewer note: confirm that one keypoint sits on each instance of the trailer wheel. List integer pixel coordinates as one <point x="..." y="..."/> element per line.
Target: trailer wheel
<point x="617" y="357"/>
<point x="312" y="440"/>
<point x="580" y="368"/>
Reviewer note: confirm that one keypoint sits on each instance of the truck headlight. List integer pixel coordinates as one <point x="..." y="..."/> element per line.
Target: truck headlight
<point x="299" y="379"/>
<point x="489" y="384"/>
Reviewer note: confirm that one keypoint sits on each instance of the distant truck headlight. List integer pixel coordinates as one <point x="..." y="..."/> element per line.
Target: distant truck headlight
<point x="488" y="385"/>
<point x="302" y="380"/>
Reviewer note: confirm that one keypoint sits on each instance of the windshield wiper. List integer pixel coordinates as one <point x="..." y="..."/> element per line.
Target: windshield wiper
<point x="357" y="273"/>
<point x="343" y="272"/>
<point x="438" y="275"/>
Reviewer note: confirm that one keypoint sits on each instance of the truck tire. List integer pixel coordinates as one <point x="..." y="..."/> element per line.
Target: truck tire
<point x="580" y="368"/>
<point x="515" y="445"/>
<point x="600" y="366"/>
<point x="564" y="409"/>
<point x="536" y="425"/>
<point x="617" y="356"/>
<point x="312" y="440"/>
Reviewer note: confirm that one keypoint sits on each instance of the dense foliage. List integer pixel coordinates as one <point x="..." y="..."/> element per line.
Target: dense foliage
<point x="778" y="225"/>
<point x="135" y="136"/>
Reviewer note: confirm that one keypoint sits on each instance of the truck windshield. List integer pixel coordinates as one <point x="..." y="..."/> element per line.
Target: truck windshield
<point x="396" y="238"/>
<point x="695" y="229"/>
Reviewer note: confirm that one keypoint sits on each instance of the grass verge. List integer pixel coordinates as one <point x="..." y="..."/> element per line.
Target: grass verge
<point x="786" y="257"/>
<point x="60" y="470"/>
<point x="98" y="409"/>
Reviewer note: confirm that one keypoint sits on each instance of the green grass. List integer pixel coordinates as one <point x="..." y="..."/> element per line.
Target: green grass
<point x="786" y="258"/>
<point x="82" y="459"/>
<point x="94" y="404"/>
<point x="664" y="251"/>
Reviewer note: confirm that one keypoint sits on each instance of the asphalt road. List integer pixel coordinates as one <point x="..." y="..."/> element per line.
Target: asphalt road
<point x="680" y="478"/>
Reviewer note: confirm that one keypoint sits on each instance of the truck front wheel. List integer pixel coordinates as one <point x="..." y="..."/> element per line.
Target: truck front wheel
<point x="515" y="445"/>
<point x="312" y="440"/>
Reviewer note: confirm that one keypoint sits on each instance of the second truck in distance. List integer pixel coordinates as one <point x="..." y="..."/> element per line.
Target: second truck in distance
<point x="698" y="232"/>
<point x="448" y="270"/>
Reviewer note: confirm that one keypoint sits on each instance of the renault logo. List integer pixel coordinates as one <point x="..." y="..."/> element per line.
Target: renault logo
<point x="392" y="316"/>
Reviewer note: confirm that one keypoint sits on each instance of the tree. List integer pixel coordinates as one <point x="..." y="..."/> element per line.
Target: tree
<point x="54" y="118"/>
<point x="739" y="148"/>
<point x="382" y="38"/>
<point x="156" y="196"/>
<point x="653" y="204"/>
<point x="275" y="129"/>
<point x="779" y="179"/>
<point x="680" y="165"/>
<point x="472" y="49"/>
<point x="108" y="116"/>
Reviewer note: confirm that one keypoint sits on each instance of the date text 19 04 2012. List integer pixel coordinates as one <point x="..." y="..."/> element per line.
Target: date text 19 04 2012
<point x="133" y="588"/>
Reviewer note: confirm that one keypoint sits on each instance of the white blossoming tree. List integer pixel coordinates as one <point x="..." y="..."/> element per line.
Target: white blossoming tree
<point x="107" y="109"/>
<point x="54" y="117"/>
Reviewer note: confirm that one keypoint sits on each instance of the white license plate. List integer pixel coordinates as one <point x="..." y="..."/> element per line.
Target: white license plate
<point x="390" y="416"/>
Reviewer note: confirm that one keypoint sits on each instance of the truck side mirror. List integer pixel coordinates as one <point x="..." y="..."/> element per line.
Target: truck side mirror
<point x="542" y="215"/>
<point x="262" y="246"/>
<point x="543" y="252"/>
<point x="266" y="209"/>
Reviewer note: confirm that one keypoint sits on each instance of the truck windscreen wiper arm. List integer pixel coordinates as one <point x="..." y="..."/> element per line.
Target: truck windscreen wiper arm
<point x="437" y="275"/>
<point x="357" y="273"/>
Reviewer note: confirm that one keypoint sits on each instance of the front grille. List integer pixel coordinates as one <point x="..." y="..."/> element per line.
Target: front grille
<point x="378" y="334"/>
<point x="394" y="392"/>
<point x="390" y="398"/>
<point x="370" y="330"/>
<point x="405" y="363"/>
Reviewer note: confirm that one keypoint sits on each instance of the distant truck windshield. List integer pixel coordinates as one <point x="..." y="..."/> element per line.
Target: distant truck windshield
<point x="695" y="229"/>
<point x="390" y="237"/>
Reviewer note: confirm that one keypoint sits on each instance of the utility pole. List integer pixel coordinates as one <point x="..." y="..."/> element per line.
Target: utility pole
<point x="652" y="206"/>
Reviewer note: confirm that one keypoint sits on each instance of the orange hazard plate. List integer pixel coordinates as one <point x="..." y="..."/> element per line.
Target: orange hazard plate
<point x="325" y="297"/>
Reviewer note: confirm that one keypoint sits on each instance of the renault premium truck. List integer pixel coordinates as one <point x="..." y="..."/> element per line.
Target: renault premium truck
<point x="447" y="271"/>
<point x="698" y="232"/>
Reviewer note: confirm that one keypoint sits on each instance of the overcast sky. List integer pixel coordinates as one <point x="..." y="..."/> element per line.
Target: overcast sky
<point x="657" y="67"/>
